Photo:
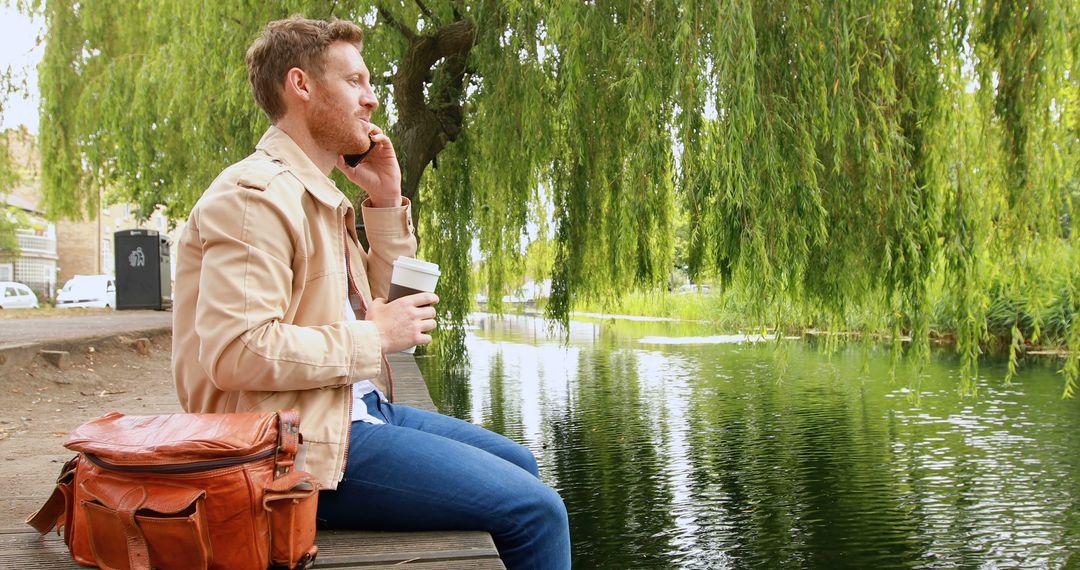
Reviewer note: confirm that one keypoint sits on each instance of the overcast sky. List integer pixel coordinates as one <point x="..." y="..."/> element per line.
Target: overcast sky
<point x="20" y="54"/>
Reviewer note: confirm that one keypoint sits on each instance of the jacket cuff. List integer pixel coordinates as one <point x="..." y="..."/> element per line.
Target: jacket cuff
<point x="366" y="361"/>
<point x="391" y="222"/>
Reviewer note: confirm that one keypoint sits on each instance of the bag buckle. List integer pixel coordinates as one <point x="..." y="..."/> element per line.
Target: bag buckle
<point x="307" y="560"/>
<point x="304" y="563"/>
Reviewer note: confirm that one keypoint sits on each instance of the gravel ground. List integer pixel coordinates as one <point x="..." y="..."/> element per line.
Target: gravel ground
<point x="40" y="404"/>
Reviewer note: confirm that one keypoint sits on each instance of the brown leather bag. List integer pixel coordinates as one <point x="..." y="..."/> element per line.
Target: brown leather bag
<point x="185" y="491"/>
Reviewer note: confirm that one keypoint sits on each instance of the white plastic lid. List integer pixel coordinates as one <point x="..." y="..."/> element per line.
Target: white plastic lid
<point x="418" y="265"/>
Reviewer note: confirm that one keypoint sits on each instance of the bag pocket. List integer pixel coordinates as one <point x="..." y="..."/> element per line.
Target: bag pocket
<point x="292" y="502"/>
<point x="133" y="524"/>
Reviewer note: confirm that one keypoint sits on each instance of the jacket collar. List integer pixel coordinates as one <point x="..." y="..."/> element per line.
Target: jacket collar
<point x="281" y="147"/>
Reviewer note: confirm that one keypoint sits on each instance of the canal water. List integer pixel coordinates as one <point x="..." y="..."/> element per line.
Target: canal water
<point x="676" y="447"/>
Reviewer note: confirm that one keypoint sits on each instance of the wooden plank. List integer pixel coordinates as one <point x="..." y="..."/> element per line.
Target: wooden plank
<point x="409" y="386"/>
<point x="485" y="564"/>
<point x="337" y="550"/>
<point x="348" y="548"/>
<point x="25" y="549"/>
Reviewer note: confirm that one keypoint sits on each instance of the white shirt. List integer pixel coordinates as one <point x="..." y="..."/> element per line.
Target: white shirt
<point x="361" y="388"/>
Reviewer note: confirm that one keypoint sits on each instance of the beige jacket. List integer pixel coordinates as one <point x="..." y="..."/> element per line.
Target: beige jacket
<point x="260" y="297"/>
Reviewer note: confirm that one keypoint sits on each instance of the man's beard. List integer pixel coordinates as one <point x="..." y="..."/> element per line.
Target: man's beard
<point x="335" y="129"/>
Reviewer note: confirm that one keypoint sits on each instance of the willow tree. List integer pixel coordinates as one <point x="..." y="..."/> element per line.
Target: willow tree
<point x="11" y="218"/>
<point x="833" y="156"/>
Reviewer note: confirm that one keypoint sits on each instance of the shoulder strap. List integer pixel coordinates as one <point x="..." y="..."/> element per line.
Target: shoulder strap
<point x="52" y="513"/>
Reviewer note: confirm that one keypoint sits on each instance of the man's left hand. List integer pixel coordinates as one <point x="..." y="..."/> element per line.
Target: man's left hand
<point x="379" y="173"/>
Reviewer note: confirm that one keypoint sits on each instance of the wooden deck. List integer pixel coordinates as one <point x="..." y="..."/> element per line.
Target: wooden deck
<point x="24" y="548"/>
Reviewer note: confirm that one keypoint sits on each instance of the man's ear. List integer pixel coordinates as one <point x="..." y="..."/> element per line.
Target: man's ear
<point x="297" y="84"/>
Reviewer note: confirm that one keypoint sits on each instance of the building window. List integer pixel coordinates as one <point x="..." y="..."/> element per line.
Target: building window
<point x="39" y="274"/>
<point x="106" y="256"/>
<point x="7" y="272"/>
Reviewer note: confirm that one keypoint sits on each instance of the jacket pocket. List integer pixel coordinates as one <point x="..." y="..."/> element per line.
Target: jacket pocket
<point x="146" y="524"/>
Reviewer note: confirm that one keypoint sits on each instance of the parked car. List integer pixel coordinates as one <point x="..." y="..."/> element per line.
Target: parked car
<point x="16" y="296"/>
<point x="87" y="291"/>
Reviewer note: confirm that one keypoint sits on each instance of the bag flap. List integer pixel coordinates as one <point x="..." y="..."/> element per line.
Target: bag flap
<point x="130" y="495"/>
<point x="174" y="438"/>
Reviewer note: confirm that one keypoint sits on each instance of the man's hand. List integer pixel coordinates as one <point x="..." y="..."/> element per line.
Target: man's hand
<point x="379" y="173"/>
<point x="404" y="322"/>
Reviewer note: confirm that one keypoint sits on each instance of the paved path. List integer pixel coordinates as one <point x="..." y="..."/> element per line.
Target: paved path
<point x="61" y="328"/>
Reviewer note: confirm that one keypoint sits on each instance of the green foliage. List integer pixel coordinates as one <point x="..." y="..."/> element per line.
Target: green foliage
<point x="451" y="235"/>
<point x="836" y="158"/>
<point x="11" y="218"/>
<point x="9" y="170"/>
<point x="9" y="174"/>
<point x="9" y="222"/>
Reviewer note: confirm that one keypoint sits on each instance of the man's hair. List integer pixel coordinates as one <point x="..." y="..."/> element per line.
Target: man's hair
<point x="292" y="42"/>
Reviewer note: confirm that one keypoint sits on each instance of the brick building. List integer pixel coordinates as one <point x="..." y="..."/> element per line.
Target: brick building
<point x="51" y="253"/>
<point x="86" y="247"/>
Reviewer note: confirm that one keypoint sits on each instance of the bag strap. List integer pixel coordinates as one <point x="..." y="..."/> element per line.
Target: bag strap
<point x="52" y="513"/>
<point x="299" y="481"/>
<point x="289" y="440"/>
<point x="138" y="551"/>
<point x="289" y="431"/>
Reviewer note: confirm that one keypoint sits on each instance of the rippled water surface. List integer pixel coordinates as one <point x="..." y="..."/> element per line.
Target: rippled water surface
<point x="675" y="446"/>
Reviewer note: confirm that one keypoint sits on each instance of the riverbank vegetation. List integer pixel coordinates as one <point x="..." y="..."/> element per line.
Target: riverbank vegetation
<point x="1042" y="310"/>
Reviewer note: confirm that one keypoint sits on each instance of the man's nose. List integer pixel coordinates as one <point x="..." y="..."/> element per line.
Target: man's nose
<point x="368" y="100"/>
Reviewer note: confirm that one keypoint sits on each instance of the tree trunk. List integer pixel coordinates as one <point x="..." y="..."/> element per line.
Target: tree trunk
<point x="427" y="123"/>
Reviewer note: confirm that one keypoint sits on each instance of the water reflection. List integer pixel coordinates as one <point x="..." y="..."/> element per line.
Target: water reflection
<point x="696" y="456"/>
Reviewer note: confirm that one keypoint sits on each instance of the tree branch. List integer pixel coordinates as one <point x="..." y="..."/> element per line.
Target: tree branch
<point x="427" y="13"/>
<point x="388" y="79"/>
<point x="427" y="122"/>
<point x="397" y="24"/>
<point x="453" y="38"/>
<point x="451" y="114"/>
<point x="458" y="10"/>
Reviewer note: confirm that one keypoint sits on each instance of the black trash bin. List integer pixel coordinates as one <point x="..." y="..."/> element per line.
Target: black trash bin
<point x="143" y="279"/>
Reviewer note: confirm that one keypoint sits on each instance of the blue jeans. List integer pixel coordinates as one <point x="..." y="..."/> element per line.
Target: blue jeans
<point x="427" y="471"/>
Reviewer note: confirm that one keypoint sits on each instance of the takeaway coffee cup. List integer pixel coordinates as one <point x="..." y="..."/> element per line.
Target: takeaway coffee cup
<point x="412" y="276"/>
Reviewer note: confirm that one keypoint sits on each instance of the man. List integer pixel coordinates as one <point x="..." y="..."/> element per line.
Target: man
<point x="277" y="306"/>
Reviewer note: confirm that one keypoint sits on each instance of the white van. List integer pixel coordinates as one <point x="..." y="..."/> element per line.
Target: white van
<point x="87" y="291"/>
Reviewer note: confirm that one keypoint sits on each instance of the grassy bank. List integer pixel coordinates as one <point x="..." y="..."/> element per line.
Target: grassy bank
<point x="15" y="314"/>
<point x="1041" y="327"/>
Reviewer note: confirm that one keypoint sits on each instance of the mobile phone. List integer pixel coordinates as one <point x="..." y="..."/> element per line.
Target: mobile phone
<point x="354" y="159"/>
